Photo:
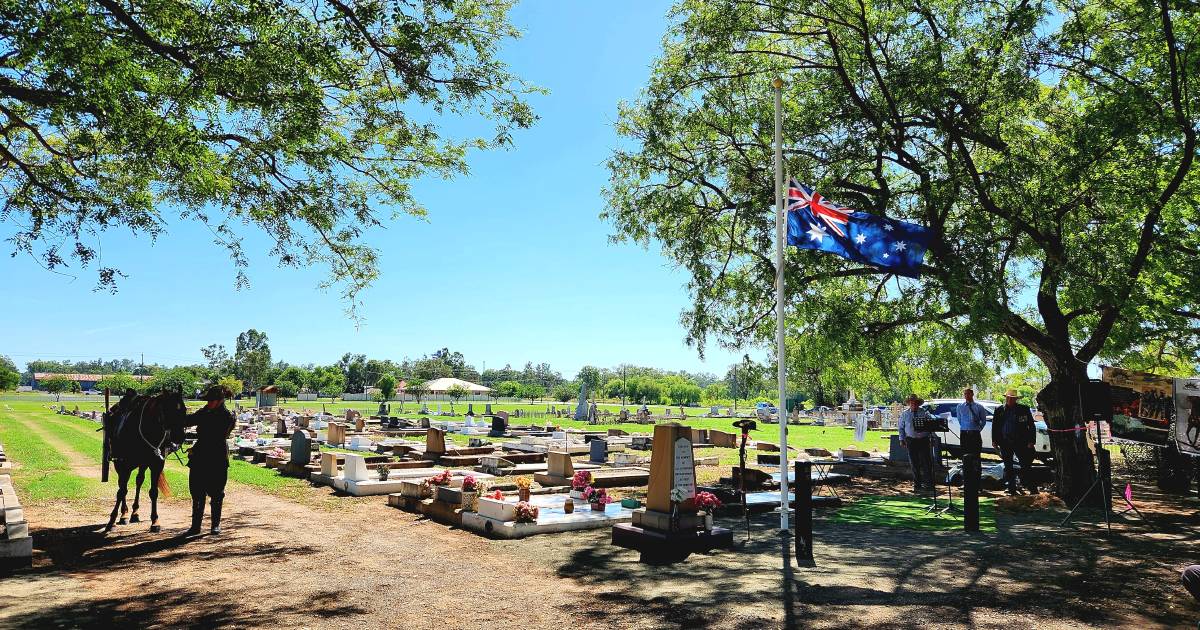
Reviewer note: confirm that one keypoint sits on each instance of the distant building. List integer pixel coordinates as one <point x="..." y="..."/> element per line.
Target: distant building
<point x="439" y="387"/>
<point x="86" y="381"/>
<point x="267" y="396"/>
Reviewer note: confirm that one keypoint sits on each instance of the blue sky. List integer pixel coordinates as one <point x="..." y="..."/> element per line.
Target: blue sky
<point x="519" y="263"/>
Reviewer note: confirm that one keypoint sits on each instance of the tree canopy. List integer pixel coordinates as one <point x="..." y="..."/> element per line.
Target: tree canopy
<point x="297" y="118"/>
<point x="1049" y="146"/>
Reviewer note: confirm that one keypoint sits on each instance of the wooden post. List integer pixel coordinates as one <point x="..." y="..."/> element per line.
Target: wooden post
<point x="105" y="455"/>
<point x="970" y="492"/>
<point x="803" y="487"/>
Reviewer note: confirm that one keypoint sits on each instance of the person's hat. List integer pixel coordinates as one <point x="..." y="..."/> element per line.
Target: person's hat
<point x="1011" y="393"/>
<point x="912" y="397"/>
<point x="216" y="392"/>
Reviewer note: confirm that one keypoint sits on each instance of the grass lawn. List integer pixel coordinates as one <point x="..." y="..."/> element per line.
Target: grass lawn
<point x="45" y="474"/>
<point x="41" y="473"/>
<point x="909" y="513"/>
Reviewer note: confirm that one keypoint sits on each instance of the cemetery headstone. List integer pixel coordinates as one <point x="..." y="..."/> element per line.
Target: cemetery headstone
<point x="470" y="409"/>
<point x="329" y="466"/>
<point x="487" y="409"/>
<point x="435" y="441"/>
<point x="671" y="464"/>
<point x="301" y="448"/>
<point x="355" y="468"/>
<point x="558" y="464"/>
<point x="581" y="410"/>
<point x="424" y="423"/>
<point x="599" y="452"/>
<point x="624" y="415"/>
<point x="499" y="426"/>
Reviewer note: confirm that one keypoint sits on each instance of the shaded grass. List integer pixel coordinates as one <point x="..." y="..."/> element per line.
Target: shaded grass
<point x="909" y="513"/>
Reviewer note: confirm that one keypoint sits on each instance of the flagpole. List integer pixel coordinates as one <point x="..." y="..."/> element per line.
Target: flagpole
<point x="780" y="226"/>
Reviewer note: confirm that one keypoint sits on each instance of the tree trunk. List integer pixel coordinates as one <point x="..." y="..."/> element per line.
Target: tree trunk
<point x="1060" y="403"/>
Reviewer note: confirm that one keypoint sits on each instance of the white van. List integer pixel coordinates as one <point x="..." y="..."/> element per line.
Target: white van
<point x="946" y="407"/>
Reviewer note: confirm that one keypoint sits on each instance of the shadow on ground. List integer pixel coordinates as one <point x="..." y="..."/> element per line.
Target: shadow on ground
<point x="877" y="577"/>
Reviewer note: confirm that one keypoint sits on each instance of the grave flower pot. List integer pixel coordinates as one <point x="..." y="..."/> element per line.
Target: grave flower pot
<point x="468" y="498"/>
<point x="523" y="494"/>
<point x="708" y="521"/>
<point x="568" y="506"/>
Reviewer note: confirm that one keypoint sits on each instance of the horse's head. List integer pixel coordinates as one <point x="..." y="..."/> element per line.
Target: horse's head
<point x="174" y="415"/>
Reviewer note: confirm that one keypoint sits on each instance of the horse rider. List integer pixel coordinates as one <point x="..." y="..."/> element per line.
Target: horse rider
<point x="209" y="457"/>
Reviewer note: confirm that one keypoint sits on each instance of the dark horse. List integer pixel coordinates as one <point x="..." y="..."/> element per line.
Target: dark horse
<point x="139" y="433"/>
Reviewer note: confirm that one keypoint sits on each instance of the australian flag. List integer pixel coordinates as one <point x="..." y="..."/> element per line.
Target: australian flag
<point x="814" y="222"/>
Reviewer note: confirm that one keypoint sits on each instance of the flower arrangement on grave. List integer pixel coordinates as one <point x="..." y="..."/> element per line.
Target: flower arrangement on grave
<point x="597" y="497"/>
<point x="523" y="485"/>
<point x="677" y="498"/>
<point x="581" y="480"/>
<point x="441" y="479"/>
<point x="495" y="495"/>
<point x="526" y="513"/>
<point x="707" y="501"/>
<point x="248" y="435"/>
<point x="277" y="453"/>
<point x="426" y="489"/>
<point x="384" y="470"/>
<point x="469" y="484"/>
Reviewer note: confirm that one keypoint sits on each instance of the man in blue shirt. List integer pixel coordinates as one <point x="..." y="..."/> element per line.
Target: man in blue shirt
<point x="971" y="419"/>
<point x="917" y="443"/>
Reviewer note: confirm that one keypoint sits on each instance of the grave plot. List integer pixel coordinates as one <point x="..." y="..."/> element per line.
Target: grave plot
<point x="561" y="468"/>
<point x="498" y="519"/>
<point x="677" y="520"/>
<point x="358" y="477"/>
<point x="16" y="546"/>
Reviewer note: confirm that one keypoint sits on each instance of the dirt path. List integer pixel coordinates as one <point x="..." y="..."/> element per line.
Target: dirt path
<point x="281" y="563"/>
<point x="278" y="562"/>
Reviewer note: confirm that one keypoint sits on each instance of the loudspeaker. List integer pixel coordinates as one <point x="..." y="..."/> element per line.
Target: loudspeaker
<point x="1096" y="398"/>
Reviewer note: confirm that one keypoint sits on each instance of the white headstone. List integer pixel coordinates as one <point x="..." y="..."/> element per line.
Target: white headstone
<point x="355" y="468"/>
<point x="685" y="468"/>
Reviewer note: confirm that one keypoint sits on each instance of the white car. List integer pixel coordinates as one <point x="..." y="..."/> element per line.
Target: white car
<point x="946" y="407"/>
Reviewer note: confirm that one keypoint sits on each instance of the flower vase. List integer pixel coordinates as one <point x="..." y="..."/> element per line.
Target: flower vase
<point x="568" y="506"/>
<point x="708" y="522"/>
<point x="523" y="494"/>
<point x="468" y="499"/>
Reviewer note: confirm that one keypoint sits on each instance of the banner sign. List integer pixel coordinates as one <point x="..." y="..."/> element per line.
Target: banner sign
<point x="1187" y="415"/>
<point x="1143" y="405"/>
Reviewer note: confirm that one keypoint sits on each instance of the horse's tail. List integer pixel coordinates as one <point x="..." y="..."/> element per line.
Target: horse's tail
<point x="164" y="488"/>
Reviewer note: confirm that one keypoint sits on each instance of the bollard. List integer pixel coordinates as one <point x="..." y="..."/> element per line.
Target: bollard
<point x="970" y="492"/>
<point x="803" y="488"/>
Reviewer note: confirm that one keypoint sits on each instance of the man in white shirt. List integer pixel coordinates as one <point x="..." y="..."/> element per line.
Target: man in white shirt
<point x="917" y="443"/>
<point x="971" y="419"/>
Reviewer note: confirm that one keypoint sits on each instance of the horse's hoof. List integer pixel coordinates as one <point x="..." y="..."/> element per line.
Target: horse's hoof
<point x="134" y="519"/>
<point x="154" y="529"/>
<point x="121" y="522"/>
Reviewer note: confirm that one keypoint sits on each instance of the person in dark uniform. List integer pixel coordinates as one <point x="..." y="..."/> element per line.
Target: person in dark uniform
<point x="209" y="456"/>
<point x="1013" y="433"/>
